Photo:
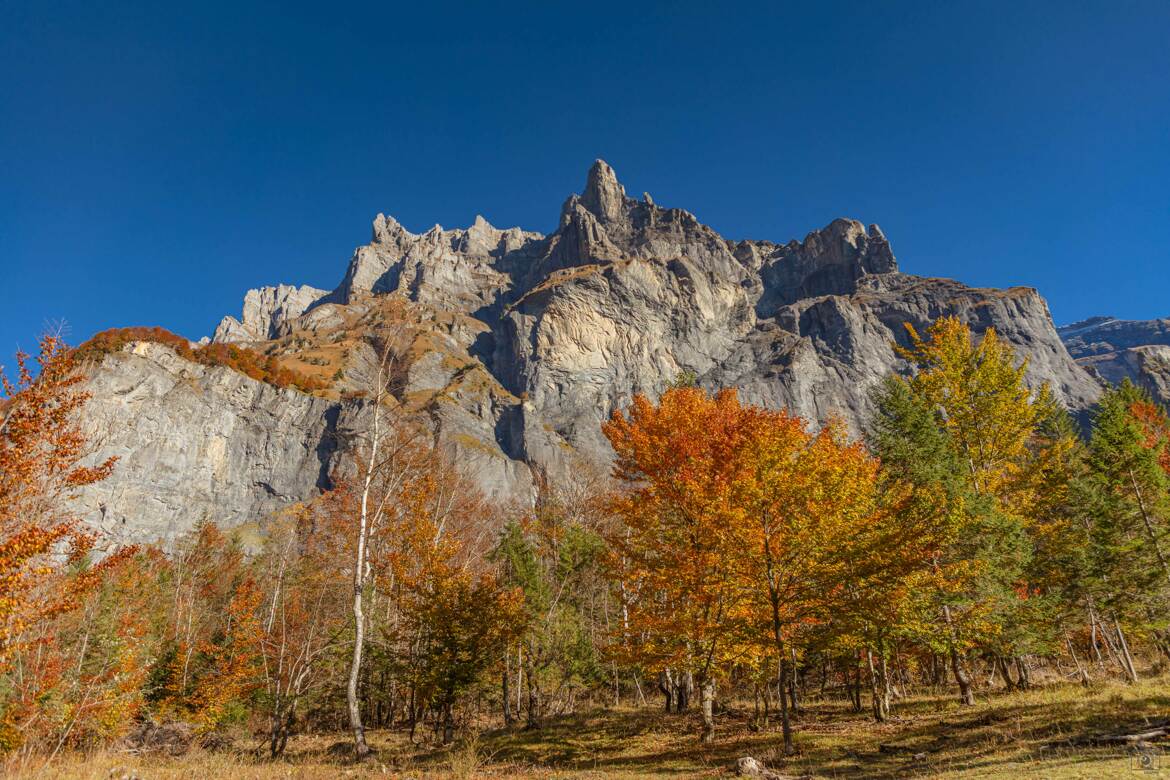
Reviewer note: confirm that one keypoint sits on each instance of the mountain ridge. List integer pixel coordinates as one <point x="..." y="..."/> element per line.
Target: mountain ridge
<point x="513" y="346"/>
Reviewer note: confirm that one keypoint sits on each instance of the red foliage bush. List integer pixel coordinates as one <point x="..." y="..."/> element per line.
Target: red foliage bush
<point x="249" y="362"/>
<point x="112" y="340"/>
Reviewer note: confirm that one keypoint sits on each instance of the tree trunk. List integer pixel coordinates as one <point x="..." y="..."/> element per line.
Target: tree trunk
<point x="361" y="749"/>
<point x="1081" y="671"/>
<point x="707" y="697"/>
<point x="785" y="717"/>
<point x="666" y="685"/>
<point x="682" y="687"/>
<point x="533" y="721"/>
<point x="879" y="690"/>
<point x="638" y="688"/>
<point x="361" y="557"/>
<point x="1093" y="640"/>
<point x="966" y="691"/>
<point x="792" y="685"/>
<point x="757" y="717"/>
<point x="1001" y="664"/>
<point x="508" y="717"/>
<point x="1126" y="658"/>
<point x="875" y="705"/>
<point x="448" y="723"/>
<point x="1024" y="682"/>
<point x="279" y="733"/>
<point x="1102" y="631"/>
<point x="900" y="689"/>
<point x="767" y="697"/>
<point x="855" y="690"/>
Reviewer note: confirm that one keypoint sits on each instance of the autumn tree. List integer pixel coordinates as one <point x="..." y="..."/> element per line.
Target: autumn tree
<point x="961" y="431"/>
<point x="444" y="616"/>
<point x="45" y="569"/>
<point x="209" y="662"/>
<point x="388" y="452"/>
<point x="301" y="611"/>
<point x="823" y="546"/>
<point x="677" y="544"/>
<point x="42" y="453"/>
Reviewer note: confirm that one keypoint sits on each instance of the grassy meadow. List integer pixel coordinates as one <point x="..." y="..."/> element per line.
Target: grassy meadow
<point x="1033" y="734"/>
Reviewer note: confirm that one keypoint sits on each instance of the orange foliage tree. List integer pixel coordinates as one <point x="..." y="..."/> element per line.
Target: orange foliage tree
<point x="452" y="618"/>
<point x="741" y="530"/>
<point x="679" y="538"/>
<point x="45" y="574"/>
<point x="820" y="547"/>
<point x="41" y="453"/>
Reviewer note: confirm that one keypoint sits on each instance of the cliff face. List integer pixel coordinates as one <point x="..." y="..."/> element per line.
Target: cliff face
<point x="1138" y="350"/>
<point x="196" y="442"/>
<point x="512" y="347"/>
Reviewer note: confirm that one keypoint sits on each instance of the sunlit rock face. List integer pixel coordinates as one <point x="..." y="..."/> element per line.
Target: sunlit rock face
<point x="511" y="348"/>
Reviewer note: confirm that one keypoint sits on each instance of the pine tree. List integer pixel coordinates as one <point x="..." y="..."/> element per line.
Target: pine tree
<point x="1127" y="453"/>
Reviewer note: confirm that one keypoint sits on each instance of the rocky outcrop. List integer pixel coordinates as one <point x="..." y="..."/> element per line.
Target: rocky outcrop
<point x="268" y="313"/>
<point x="462" y="270"/>
<point x="513" y="347"/>
<point x="1114" y="350"/>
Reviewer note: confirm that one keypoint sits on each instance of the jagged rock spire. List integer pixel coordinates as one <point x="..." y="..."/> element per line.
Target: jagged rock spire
<point x="603" y="195"/>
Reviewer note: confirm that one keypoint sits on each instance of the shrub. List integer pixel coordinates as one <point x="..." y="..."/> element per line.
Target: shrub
<point x="249" y="362"/>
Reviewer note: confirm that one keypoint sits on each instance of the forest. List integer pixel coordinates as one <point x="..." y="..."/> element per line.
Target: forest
<point x="741" y="578"/>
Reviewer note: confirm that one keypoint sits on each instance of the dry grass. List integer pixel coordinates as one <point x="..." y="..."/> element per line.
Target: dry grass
<point x="1024" y="735"/>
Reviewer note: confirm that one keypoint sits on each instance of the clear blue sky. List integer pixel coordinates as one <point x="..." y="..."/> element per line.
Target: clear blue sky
<point x="158" y="159"/>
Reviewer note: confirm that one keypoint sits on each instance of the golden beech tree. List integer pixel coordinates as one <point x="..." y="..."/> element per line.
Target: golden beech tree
<point x="679" y="536"/>
<point x="821" y="543"/>
<point x="741" y="531"/>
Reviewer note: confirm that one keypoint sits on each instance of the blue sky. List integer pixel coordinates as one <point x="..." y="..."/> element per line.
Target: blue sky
<point x="158" y="159"/>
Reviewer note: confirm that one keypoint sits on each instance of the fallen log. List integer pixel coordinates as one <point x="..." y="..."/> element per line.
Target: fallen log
<point x="1100" y="740"/>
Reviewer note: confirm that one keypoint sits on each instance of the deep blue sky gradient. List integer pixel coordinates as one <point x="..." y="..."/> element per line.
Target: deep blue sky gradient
<point x="158" y="159"/>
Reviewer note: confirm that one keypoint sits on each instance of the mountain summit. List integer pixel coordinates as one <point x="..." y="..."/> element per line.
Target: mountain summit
<point x="512" y="347"/>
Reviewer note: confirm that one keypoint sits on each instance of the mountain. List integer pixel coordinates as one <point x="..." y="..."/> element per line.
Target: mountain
<point x="1113" y="349"/>
<point x="512" y="347"/>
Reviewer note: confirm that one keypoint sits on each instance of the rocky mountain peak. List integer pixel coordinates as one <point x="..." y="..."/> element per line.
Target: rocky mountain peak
<point x="604" y="196"/>
<point x="386" y="229"/>
<point x="514" y="346"/>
